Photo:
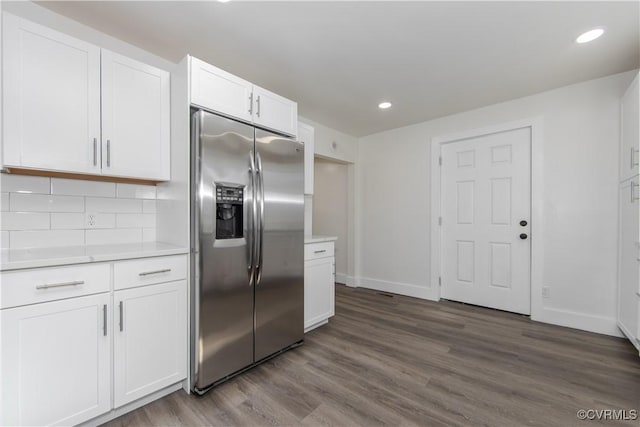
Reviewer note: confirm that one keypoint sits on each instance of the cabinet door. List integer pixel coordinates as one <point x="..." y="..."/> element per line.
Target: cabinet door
<point x="306" y="136"/>
<point x="628" y="260"/>
<point x="319" y="291"/>
<point x="217" y="90"/>
<point x="56" y="362"/>
<point x="51" y="99"/>
<point x="630" y="132"/>
<point x="275" y="112"/>
<point x="135" y="119"/>
<point x="150" y="339"/>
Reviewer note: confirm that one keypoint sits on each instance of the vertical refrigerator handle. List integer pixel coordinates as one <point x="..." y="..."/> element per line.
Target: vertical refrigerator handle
<point x="253" y="220"/>
<point x="260" y="228"/>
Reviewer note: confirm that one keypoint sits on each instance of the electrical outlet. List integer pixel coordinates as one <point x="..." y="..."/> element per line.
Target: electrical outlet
<point x="91" y="220"/>
<point x="546" y="292"/>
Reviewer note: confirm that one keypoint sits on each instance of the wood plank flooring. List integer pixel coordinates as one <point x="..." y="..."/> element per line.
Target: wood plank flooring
<point x="402" y="361"/>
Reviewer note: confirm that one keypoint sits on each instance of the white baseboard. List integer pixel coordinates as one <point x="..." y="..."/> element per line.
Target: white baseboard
<point x="585" y="322"/>
<point x="406" y="289"/>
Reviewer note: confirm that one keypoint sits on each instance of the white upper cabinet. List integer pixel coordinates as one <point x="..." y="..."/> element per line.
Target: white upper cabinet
<point x="306" y="136"/>
<point x="274" y="111"/>
<point x="630" y="132"/>
<point x="70" y="107"/>
<point x="51" y="99"/>
<point x="220" y="91"/>
<point x="135" y="118"/>
<point x="217" y="90"/>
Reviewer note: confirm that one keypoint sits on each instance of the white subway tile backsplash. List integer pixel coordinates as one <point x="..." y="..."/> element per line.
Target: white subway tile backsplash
<point x="49" y="212"/>
<point x="148" y="234"/>
<point x="136" y="220"/>
<point x="22" y="183"/>
<point x="149" y="206"/>
<point x="24" y="221"/>
<point x="19" y="202"/>
<point x="95" y="204"/>
<point x="113" y="236"/>
<point x="75" y="187"/>
<point x="67" y="221"/>
<point x="133" y="191"/>
<point x="46" y="238"/>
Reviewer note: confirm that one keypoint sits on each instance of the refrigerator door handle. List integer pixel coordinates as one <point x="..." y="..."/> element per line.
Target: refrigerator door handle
<point x="260" y="231"/>
<point x="251" y="241"/>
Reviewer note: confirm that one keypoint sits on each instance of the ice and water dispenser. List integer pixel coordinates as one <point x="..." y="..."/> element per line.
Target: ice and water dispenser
<point x="229" y="215"/>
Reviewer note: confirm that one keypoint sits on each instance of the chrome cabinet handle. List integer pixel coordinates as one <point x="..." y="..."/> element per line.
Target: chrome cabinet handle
<point x="147" y="273"/>
<point x="121" y="317"/>
<point x="634" y="198"/>
<point x="251" y="103"/>
<point x="258" y="104"/>
<point x="60" y="285"/>
<point x="634" y="162"/>
<point x="104" y="320"/>
<point x="108" y="153"/>
<point x="95" y="151"/>
<point x="320" y="252"/>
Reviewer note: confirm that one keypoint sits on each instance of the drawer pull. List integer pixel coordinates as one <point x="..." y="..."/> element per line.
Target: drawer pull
<point x="320" y="252"/>
<point x="147" y="273"/>
<point x="60" y="285"/>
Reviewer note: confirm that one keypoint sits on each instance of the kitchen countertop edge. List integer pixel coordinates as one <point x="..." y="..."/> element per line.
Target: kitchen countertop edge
<point x="19" y="259"/>
<point x="319" y="239"/>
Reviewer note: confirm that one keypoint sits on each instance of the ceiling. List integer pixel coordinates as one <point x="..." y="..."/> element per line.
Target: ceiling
<point x="338" y="60"/>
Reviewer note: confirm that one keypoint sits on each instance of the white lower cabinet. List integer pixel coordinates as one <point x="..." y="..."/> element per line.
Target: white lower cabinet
<point x="64" y="328"/>
<point x="319" y="284"/>
<point x="150" y="342"/>
<point x="56" y="367"/>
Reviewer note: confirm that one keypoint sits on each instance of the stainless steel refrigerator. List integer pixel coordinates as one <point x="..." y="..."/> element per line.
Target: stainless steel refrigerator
<point x="247" y="230"/>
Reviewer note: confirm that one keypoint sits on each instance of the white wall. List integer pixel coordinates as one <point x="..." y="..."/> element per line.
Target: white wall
<point x="579" y="206"/>
<point x="330" y="208"/>
<point x="333" y="144"/>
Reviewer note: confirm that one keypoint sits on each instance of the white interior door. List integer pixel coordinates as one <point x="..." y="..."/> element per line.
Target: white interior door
<point x="486" y="198"/>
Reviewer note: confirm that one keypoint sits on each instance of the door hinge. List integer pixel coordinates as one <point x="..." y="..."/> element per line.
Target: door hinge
<point x="440" y="160"/>
<point x="439" y="281"/>
<point x="439" y="220"/>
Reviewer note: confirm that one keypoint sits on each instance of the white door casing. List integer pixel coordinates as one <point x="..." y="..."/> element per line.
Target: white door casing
<point x="485" y="194"/>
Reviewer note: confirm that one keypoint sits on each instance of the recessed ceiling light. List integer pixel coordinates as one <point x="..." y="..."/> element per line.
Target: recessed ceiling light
<point x="223" y="1"/>
<point x="590" y="35"/>
<point x="384" y="105"/>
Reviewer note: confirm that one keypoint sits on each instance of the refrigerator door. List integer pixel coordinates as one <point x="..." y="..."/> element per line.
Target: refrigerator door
<point x="223" y="247"/>
<point x="279" y="292"/>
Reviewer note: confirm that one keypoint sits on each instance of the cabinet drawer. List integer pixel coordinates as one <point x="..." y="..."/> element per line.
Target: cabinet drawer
<point x="49" y="284"/>
<point x="318" y="250"/>
<point x="141" y="272"/>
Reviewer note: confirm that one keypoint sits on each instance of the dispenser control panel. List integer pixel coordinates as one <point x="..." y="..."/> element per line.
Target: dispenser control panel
<point x="229" y="194"/>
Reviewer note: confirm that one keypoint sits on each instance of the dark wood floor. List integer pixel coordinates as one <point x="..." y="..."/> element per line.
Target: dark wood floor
<point x="403" y="361"/>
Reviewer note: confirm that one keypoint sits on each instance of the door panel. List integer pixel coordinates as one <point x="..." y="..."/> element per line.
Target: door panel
<point x="41" y="67"/>
<point x="149" y="340"/>
<point x="56" y="362"/>
<point x="225" y="327"/>
<point x="485" y="194"/>
<point x="628" y="261"/>
<point x="279" y="296"/>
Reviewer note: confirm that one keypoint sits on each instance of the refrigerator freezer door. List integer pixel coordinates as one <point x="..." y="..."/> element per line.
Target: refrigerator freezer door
<point x="279" y="291"/>
<point x="224" y="292"/>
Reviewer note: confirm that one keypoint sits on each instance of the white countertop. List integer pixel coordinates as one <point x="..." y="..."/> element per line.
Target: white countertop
<point x="319" y="239"/>
<point x="14" y="259"/>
